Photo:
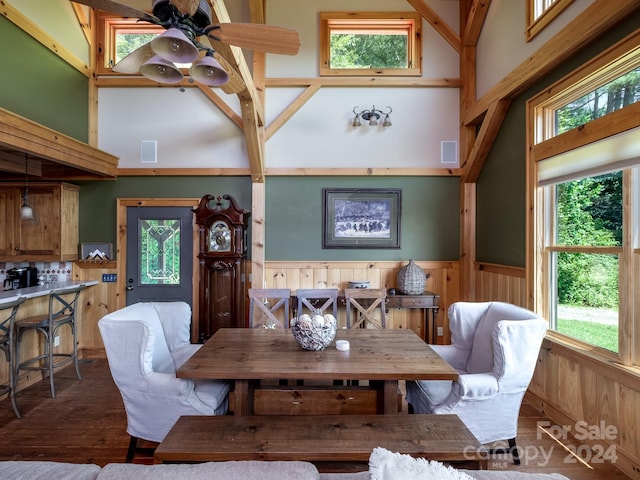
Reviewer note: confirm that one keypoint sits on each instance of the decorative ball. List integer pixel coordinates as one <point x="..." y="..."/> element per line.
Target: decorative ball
<point x="314" y="332"/>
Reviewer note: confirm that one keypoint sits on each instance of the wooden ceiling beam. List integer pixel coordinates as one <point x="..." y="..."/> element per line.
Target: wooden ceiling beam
<point x="250" y="102"/>
<point x="484" y="141"/>
<point x="9" y="12"/>
<point x="221" y="104"/>
<point x="288" y="112"/>
<point x="597" y="18"/>
<point x="475" y="22"/>
<point x="437" y="22"/>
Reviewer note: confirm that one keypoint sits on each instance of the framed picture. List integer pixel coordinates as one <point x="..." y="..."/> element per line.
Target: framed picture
<point x="361" y="218"/>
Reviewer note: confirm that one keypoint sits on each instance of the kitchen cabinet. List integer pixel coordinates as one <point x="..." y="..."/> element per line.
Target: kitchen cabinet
<point x="52" y="235"/>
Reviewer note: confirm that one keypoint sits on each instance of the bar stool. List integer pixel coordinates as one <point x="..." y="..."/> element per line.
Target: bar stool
<point x="62" y="311"/>
<point x="7" y="344"/>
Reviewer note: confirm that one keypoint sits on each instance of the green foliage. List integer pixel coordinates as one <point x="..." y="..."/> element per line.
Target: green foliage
<point x="128" y="42"/>
<point x="589" y="213"/>
<point x="613" y="96"/>
<point x="368" y="51"/>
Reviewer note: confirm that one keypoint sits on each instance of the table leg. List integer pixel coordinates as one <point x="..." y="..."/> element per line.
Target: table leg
<point x="434" y="317"/>
<point x="389" y="397"/>
<point x="244" y="391"/>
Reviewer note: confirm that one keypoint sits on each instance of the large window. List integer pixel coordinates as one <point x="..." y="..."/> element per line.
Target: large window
<point x="363" y="43"/>
<point x="584" y="162"/>
<point x="583" y="257"/>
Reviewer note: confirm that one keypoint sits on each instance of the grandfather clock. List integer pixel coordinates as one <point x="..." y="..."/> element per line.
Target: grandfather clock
<point x="222" y="255"/>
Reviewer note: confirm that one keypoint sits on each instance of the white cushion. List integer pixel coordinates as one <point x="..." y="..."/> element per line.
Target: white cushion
<point x="27" y="470"/>
<point x="244" y="470"/>
<point x="386" y="465"/>
<point x="481" y="356"/>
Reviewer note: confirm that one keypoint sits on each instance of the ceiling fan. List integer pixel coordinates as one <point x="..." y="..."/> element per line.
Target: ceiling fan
<point x="188" y="30"/>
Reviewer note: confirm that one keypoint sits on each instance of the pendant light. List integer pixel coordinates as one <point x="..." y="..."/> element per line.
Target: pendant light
<point x="26" y="212"/>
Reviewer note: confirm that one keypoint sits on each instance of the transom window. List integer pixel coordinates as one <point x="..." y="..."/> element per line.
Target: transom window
<point x="614" y="95"/>
<point x="121" y="36"/>
<point x="366" y="43"/>
<point x="541" y="13"/>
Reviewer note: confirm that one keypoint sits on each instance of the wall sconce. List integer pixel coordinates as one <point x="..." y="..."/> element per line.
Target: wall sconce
<point x="372" y="116"/>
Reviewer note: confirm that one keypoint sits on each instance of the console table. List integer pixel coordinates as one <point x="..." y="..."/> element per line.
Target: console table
<point x="428" y="301"/>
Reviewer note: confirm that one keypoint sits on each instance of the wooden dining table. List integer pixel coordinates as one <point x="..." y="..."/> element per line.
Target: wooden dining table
<point x="249" y="356"/>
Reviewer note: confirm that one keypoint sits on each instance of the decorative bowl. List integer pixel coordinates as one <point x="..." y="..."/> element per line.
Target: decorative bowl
<point x="314" y="332"/>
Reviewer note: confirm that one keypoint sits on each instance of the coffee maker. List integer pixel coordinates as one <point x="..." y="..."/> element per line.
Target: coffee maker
<point x="21" y="277"/>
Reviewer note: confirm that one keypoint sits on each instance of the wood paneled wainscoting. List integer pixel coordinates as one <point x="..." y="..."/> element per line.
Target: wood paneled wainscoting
<point x="591" y="400"/>
<point x="502" y="283"/>
<point x="443" y="279"/>
<point x="95" y="303"/>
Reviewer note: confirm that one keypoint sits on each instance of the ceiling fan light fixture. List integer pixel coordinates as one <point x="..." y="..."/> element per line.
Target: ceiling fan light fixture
<point x="174" y="46"/>
<point x="208" y="70"/>
<point x="160" y="70"/>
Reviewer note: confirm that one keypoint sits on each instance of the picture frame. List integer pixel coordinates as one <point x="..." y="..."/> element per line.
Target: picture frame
<point x="361" y="217"/>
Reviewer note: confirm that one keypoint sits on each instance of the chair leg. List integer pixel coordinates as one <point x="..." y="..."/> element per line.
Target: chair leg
<point x="134" y="448"/>
<point x="13" y="385"/>
<point x="513" y="450"/>
<point x="49" y="354"/>
<point x="75" y="351"/>
<point x="133" y="443"/>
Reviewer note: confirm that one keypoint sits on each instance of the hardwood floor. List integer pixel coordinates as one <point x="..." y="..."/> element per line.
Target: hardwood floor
<point x="86" y="423"/>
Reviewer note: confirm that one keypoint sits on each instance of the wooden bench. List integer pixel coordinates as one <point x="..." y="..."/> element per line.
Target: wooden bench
<point x="332" y="442"/>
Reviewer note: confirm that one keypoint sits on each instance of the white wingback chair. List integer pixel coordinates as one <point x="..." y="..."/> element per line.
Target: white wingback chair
<point x="494" y="347"/>
<point x="145" y="344"/>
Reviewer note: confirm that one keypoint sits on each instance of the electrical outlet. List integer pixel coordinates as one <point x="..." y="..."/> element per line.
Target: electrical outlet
<point x="440" y="331"/>
<point x="56" y="341"/>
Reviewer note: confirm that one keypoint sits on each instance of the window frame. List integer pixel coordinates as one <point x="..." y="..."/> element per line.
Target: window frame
<point x="409" y="21"/>
<point x="108" y="27"/>
<point x="538" y="22"/>
<point x="543" y="144"/>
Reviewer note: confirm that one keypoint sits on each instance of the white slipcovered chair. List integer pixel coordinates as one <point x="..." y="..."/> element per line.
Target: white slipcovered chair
<point x="494" y="347"/>
<point x="145" y="344"/>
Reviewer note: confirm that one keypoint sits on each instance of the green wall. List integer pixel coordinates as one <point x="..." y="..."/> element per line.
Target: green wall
<point x="98" y="199"/>
<point x="430" y="225"/>
<point x="36" y="84"/>
<point x="501" y="187"/>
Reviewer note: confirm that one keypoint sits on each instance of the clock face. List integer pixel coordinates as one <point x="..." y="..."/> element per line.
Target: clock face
<point x="219" y="237"/>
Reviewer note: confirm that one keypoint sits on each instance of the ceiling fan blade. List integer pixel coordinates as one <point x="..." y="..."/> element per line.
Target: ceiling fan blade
<point x="255" y="36"/>
<point x="118" y="9"/>
<point x="131" y="63"/>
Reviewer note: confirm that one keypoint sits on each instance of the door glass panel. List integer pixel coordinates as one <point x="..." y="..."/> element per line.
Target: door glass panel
<point x="159" y="251"/>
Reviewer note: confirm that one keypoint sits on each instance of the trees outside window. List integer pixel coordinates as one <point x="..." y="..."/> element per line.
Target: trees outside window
<point x="370" y="43"/>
